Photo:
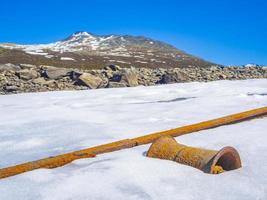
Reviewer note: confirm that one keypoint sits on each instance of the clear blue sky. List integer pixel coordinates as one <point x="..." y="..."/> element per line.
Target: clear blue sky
<point x="223" y="31"/>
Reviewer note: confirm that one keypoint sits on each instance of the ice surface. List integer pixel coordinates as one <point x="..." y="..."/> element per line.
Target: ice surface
<point x="38" y="125"/>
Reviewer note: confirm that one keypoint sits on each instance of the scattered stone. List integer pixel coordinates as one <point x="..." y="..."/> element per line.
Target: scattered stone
<point x="31" y="78"/>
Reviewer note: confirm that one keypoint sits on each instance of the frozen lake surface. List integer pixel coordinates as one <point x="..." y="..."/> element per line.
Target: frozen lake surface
<point x="33" y="126"/>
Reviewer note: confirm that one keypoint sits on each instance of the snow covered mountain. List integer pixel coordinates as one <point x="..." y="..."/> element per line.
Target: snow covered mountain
<point x="83" y="49"/>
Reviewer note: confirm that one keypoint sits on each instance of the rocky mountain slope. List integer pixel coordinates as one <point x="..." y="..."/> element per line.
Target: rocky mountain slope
<point x="88" y="51"/>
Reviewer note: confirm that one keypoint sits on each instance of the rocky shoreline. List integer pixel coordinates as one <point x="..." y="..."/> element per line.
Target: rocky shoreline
<point x="30" y="78"/>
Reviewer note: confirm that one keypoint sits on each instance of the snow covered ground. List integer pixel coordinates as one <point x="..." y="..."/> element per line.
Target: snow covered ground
<point x="34" y="126"/>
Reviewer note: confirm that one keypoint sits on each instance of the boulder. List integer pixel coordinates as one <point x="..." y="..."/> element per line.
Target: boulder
<point x="180" y="76"/>
<point x="89" y="80"/>
<point x="172" y="77"/>
<point x="56" y="73"/>
<point x="9" y="67"/>
<point x="116" y="77"/>
<point x="130" y="77"/>
<point x="167" y="79"/>
<point x="27" y="74"/>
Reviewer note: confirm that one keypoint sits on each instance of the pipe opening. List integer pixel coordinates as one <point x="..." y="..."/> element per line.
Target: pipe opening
<point x="227" y="158"/>
<point x="227" y="162"/>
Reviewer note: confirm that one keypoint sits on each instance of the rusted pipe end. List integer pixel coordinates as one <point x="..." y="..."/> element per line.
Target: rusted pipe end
<point x="228" y="158"/>
<point x="209" y="161"/>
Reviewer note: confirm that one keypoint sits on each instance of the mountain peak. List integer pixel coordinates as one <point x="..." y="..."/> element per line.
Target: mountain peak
<point x="82" y="33"/>
<point x="84" y="48"/>
<point x="79" y="35"/>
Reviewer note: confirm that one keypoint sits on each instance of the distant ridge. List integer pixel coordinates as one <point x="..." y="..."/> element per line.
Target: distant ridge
<point x="86" y="50"/>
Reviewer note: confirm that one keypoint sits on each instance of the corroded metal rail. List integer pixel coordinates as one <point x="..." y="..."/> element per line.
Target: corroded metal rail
<point x="61" y="160"/>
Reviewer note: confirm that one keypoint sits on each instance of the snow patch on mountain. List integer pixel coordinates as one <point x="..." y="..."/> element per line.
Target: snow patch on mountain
<point x="67" y="58"/>
<point x="84" y="45"/>
<point x="79" y="41"/>
<point x="76" y="42"/>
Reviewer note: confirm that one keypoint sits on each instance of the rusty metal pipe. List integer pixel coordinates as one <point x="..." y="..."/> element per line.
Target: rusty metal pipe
<point x="209" y="161"/>
<point x="60" y="160"/>
<point x="63" y="159"/>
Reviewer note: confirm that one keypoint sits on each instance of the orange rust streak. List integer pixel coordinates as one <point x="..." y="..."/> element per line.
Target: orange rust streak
<point x="60" y="160"/>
